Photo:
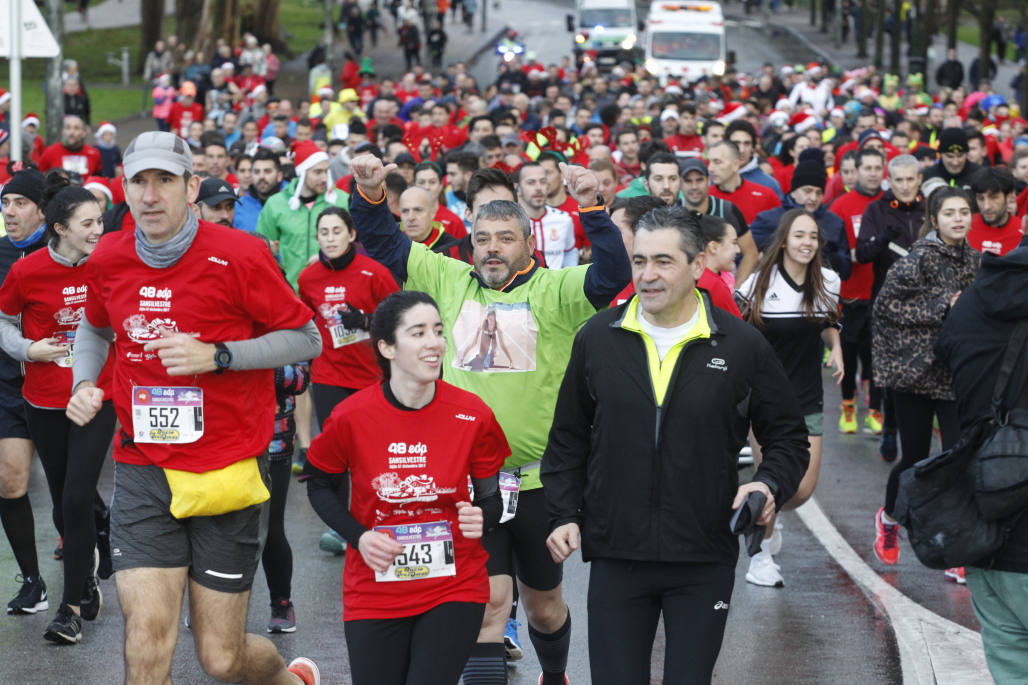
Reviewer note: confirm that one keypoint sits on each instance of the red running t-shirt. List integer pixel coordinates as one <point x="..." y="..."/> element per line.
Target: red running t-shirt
<point x="751" y="199"/>
<point x="85" y="161"/>
<point x="720" y="293"/>
<point x="409" y="467"/>
<point x="51" y="299"/>
<point x="347" y="359"/>
<point x="998" y="241"/>
<point x="850" y="208"/>
<point x="226" y="287"/>
<point x="452" y="224"/>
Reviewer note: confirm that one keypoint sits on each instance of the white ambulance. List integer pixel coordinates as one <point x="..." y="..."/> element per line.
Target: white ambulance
<point x="685" y="39"/>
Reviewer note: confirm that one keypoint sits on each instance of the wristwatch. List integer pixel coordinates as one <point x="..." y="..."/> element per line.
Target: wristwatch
<point x="222" y="358"/>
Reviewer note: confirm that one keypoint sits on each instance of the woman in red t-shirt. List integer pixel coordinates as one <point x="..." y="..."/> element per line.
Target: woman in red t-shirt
<point x="415" y="592"/>
<point x="47" y="289"/>
<point x="721" y="246"/>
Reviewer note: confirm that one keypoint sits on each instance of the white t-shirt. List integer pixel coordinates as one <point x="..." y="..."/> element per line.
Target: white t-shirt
<point x="555" y="237"/>
<point x="665" y="338"/>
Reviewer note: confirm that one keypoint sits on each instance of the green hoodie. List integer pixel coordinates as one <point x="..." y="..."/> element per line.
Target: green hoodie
<point x="295" y="231"/>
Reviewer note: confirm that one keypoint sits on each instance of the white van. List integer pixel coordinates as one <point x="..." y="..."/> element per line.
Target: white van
<point x="606" y="31"/>
<point x="685" y="39"/>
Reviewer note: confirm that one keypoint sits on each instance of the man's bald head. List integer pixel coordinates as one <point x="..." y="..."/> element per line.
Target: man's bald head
<point x="417" y="211"/>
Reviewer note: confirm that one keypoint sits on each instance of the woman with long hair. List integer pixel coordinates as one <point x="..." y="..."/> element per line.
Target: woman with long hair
<point x="908" y="314"/>
<point x="415" y="584"/>
<point x="720" y="247"/>
<point x="47" y="290"/>
<point x="794" y="301"/>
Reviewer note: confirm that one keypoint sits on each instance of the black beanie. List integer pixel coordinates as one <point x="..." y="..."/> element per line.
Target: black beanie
<point x="953" y="139"/>
<point x="29" y="183"/>
<point x="809" y="172"/>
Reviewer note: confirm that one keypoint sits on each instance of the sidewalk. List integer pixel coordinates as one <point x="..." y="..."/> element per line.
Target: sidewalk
<point x="797" y="21"/>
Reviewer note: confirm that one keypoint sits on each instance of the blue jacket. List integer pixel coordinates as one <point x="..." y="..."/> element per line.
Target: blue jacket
<point x="835" y="248"/>
<point x="248" y="208"/>
<point x="753" y="172"/>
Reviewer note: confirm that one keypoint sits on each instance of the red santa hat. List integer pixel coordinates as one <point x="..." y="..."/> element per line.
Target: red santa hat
<point x="104" y="127"/>
<point x="97" y="183"/>
<point x="802" y="121"/>
<point x="307" y="154"/>
<point x="30" y="119"/>
<point x="5" y="97"/>
<point x="731" y="112"/>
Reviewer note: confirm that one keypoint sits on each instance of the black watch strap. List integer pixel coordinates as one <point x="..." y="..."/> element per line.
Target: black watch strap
<point x="222" y="358"/>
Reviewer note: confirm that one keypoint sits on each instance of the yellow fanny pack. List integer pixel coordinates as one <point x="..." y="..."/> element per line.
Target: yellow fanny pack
<point x="235" y="487"/>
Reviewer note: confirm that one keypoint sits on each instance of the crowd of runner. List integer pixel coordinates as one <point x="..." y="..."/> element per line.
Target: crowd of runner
<point x="436" y="302"/>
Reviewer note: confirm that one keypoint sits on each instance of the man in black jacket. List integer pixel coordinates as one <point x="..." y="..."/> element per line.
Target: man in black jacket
<point x="972" y="341"/>
<point x="953" y="166"/>
<point x="641" y="459"/>
<point x="950" y="73"/>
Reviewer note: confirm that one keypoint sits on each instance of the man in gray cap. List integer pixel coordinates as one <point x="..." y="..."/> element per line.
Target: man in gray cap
<point x="696" y="192"/>
<point x="190" y="462"/>
<point x="216" y="202"/>
<point x="22" y="199"/>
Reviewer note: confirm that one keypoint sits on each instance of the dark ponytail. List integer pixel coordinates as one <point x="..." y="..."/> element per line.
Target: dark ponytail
<point x="60" y="202"/>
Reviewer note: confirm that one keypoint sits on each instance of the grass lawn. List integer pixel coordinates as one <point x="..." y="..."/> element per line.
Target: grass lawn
<point x="301" y="24"/>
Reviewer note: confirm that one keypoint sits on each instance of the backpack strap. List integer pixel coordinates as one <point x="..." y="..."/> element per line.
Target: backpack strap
<point x="1006" y="369"/>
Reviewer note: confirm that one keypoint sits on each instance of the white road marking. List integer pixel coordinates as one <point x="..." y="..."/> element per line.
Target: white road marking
<point x="933" y="650"/>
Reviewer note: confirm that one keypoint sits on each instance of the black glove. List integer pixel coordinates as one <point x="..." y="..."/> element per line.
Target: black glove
<point x="353" y="319"/>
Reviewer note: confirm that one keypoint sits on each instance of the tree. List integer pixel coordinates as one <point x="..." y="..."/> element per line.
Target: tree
<point x="985" y="13"/>
<point x="879" y="34"/>
<point x="861" y="24"/>
<point x="189" y="15"/>
<point x="266" y="26"/>
<point x="151" y="16"/>
<point x="54" y="92"/>
<point x="895" y="37"/>
<point x="952" y="19"/>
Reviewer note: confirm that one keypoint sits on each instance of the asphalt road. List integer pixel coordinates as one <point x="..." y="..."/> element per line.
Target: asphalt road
<point x="837" y="620"/>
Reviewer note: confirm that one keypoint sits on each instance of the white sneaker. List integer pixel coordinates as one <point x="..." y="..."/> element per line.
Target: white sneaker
<point x="763" y="569"/>
<point x="774" y="543"/>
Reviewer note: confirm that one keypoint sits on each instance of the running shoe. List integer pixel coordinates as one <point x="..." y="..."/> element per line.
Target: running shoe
<point x="873" y="422"/>
<point x="299" y="462"/>
<point x="886" y="539"/>
<point x="774" y="543"/>
<point x="763" y="570"/>
<point x="306" y="669"/>
<point x="66" y="628"/>
<point x="956" y="575"/>
<point x="333" y="543"/>
<point x="511" y="642"/>
<point x="283" y="618"/>
<point x="848" y="417"/>
<point x="92" y="600"/>
<point x="59" y="549"/>
<point x="542" y="676"/>
<point x="888" y="447"/>
<point x="30" y="598"/>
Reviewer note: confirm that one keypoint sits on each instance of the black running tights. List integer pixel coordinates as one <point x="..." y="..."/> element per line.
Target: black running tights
<point x="277" y="557"/>
<point x="626" y="600"/>
<point x="914" y="414"/>
<point x="73" y="457"/>
<point x="427" y="649"/>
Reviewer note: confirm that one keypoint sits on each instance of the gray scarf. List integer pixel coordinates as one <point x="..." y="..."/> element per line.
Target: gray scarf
<point x="166" y="254"/>
<point x="61" y="259"/>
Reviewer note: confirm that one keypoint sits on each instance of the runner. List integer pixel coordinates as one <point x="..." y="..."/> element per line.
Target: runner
<point x="189" y="461"/>
<point x="46" y="291"/>
<point x="656" y="526"/>
<point x="720" y="248"/>
<point x="552" y="228"/>
<point x="22" y="200"/>
<point x="415" y="594"/>
<point x="543" y="307"/>
<point x="794" y="301"/>
<point x="908" y="315"/>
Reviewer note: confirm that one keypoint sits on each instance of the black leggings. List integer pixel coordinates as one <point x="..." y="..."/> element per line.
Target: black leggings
<point x="914" y="415"/>
<point x="856" y="346"/>
<point x="277" y="557"/>
<point x="73" y="457"/>
<point x="427" y="649"/>
<point x="626" y="600"/>
<point x="326" y="397"/>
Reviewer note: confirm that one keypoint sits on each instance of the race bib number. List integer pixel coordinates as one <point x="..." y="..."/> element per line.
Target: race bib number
<point x="167" y="415"/>
<point x="427" y="552"/>
<point x="855" y="220"/>
<point x="343" y="336"/>
<point x="65" y="338"/>
<point x="510" y="485"/>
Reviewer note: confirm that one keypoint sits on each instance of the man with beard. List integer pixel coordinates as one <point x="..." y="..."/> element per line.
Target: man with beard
<point x="662" y="180"/>
<point x="216" y="202"/>
<point x="553" y="229"/>
<point x="267" y="180"/>
<point x="993" y="228"/>
<point x="545" y="306"/>
<point x="72" y="153"/>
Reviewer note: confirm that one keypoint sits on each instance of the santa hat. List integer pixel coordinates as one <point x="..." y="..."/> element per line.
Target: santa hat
<point x="4" y="96"/>
<point x="97" y="183"/>
<point x="778" y="119"/>
<point x="4" y="135"/>
<point x="837" y="112"/>
<point x="802" y="121"/>
<point x="307" y="154"/>
<point x="731" y="112"/>
<point x="30" y="120"/>
<point x="104" y="127"/>
<point x="783" y="104"/>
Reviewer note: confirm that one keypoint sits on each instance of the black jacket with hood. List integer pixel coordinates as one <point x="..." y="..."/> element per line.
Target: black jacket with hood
<point x="972" y="341"/>
<point x="888" y="229"/>
<point x="642" y="452"/>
